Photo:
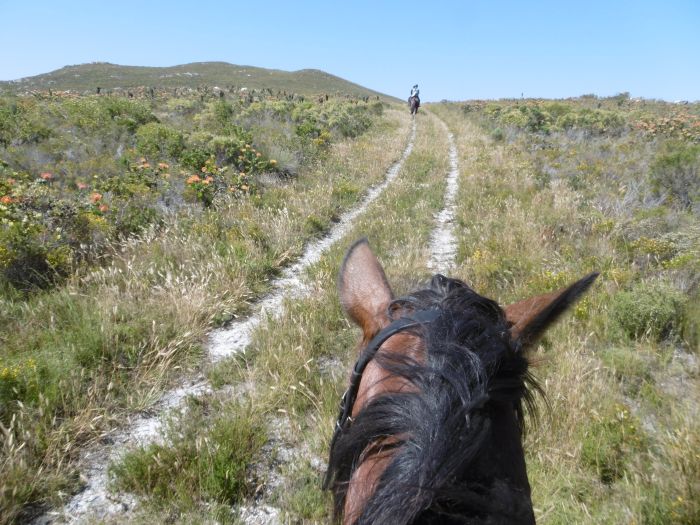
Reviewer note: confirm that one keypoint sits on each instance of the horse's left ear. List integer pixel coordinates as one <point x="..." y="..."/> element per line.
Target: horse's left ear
<point x="364" y="291"/>
<point x="529" y="318"/>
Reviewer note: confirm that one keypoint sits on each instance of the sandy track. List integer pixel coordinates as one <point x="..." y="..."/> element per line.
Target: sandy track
<point x="443" y="244"/>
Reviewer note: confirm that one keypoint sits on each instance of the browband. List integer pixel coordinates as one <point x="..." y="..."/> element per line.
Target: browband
<point x="348" y="400"/>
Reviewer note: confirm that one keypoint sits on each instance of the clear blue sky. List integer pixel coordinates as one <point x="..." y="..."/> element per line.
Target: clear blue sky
<point x="455" y="50"/>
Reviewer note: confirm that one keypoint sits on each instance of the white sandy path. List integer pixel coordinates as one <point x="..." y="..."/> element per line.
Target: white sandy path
<point x="95" y="501"/>
<point x="443" y="244"/>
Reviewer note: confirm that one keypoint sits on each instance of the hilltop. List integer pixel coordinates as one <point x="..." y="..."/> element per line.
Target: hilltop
<point x="87" y="77"/>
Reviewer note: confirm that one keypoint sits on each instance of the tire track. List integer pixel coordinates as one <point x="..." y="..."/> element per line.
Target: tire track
<point x="95" y="501"/>
<point x="443" y="244"/>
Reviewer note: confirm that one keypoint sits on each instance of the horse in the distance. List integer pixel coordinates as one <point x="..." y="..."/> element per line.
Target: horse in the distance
<point x="414" y="104"/>
<point x="430" y="428"/>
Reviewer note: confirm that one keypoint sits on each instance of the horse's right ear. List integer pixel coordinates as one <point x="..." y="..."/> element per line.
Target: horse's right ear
<point x="529" y="318"/>
<point x="364" y="291"/>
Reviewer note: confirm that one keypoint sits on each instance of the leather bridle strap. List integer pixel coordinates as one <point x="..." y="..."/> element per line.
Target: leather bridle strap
<point x="347" y="402"/>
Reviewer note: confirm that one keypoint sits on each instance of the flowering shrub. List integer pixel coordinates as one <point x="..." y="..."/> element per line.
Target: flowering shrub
<point x="43" y="234"/>
<point x="680" y="126"/>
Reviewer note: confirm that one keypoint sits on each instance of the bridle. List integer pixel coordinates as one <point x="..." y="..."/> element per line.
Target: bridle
<point x="347" y="402"/>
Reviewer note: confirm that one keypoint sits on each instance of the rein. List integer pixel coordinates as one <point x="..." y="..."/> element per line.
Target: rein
<point x="348" y="400"/>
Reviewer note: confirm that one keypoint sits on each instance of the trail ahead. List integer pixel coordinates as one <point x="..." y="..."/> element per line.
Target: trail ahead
<point x="443" y="245"/>
<point x="95" y="501"/>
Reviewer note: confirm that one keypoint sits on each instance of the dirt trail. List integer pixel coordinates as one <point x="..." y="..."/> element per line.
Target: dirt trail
<point x="443" y="245"/>
<point x="95" y="501"/>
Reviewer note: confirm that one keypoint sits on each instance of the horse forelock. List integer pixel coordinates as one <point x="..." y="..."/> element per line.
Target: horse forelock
<point x="439" y="428"/>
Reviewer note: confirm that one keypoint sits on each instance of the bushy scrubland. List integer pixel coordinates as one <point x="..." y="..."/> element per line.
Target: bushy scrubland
<point x="77" y="174"/>
<point x="553" y="190"/>
<point x="128" y="228"/>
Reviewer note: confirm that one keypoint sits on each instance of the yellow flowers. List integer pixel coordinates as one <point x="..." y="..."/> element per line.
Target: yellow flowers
<point x="477" y="255"/>
<point x="9" y="372"/>
<point x="653" y="246"/>
<point x="17" y="371"/>
<point x="582" y="308"/>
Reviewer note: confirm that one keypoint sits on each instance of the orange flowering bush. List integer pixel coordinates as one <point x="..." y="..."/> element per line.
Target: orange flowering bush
<point x="680" y="126"/>
<point x="211" y="180"/>
<point x="43" y="233"/>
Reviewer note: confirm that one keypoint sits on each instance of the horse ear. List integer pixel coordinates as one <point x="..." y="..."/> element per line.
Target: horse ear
<point x="529" y="318"/>
<point x="364" y="291"/>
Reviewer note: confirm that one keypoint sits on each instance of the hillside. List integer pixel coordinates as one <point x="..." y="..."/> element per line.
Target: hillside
<point x="87" y="77"/>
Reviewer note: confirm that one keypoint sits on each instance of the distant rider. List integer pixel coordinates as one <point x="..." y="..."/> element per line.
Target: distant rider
<point x="414" y="93"/>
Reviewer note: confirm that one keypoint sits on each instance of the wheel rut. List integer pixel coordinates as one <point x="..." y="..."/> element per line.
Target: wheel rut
<point x="443" y="244"/>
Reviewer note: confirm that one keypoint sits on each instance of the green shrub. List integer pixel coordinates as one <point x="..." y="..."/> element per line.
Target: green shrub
<point x="314" y="225"/>
<point x="607" y="443"/>
<point x="676" y="171"/>
<point x="649" y="309"/>
<point x="594" y="120"/>
<point x="194" y="158"/>
<point x="20" y="122"/>
<point x="349" y="122"/>
<point x="96" y="114"/>
<point x="497" y="135"/>
<point x="308" y="129"/>
<point x="134" y="216"/>
<point x="158" y="140"/>
<point x="205" y="457"/>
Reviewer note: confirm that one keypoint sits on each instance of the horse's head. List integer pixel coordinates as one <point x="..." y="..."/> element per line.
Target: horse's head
<point x="430" y="428"/>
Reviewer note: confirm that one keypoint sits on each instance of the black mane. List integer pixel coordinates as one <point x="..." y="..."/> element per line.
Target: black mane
<point x="441" y="470"/>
